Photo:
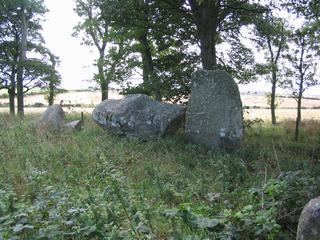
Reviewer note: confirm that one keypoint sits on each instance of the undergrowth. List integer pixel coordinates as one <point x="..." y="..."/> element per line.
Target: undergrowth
<point x="94" y="185"/>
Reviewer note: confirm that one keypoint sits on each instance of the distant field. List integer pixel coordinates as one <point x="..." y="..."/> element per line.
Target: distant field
<point x="283" y="114"/>
<point x="89" y="99"/>
<point x="73" y="97"/>
<point x="259" y="101"/>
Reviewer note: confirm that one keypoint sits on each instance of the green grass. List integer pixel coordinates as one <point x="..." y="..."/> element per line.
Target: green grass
<point x="95" y="185"/>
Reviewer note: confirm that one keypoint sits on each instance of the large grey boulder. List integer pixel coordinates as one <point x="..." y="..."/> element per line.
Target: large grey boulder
<point x="309" y="221"/>
<point x="214" y="113"/>
<point x="52" y="118"/>
<point x="139" y="116"/>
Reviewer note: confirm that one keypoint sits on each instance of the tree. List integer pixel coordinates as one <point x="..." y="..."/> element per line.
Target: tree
<point x="153" y="46"/>
<point x="21" y="12"/>
<point x="20" y="35"/>
<point x="135" y="23"/>
<point x="52" y="78"/>
<point x="309" y="9"/>
<point x="167" y="60"/>
<point x="238" y="60"/>
<point x="96" y="26"/>
<point x="303" y="73"/>
<point x="165" y="33"/>
<point x="271" y="35"/>
<point x="21" y="17"/>
<point x="9" y="54"/>
<point x="212" y="17"/>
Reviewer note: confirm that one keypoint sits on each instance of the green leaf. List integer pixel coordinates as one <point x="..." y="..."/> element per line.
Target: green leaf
<point x="19" y="228"/>
<point x="207" y="222"/>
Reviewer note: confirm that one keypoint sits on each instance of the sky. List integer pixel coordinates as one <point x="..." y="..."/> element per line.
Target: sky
<point x="76" y="66"/>
<point x="75" y="60"/>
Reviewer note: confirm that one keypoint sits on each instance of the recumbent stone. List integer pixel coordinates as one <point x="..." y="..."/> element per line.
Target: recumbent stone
<point x="137" y="115"/>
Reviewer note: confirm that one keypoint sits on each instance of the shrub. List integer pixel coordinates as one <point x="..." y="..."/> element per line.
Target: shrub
<point x="4" y="95"/>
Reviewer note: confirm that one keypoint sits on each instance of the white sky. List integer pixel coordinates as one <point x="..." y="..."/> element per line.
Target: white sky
<point x="76" y="59"/>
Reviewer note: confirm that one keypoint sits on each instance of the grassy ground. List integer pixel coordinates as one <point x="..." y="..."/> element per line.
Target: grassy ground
<point x="94" y="185"/>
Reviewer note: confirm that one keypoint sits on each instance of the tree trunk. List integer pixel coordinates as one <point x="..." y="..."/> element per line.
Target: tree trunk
<point x="148" y="67"/>
<point x="298" y="120"/>
<point x="12" y="91"/>
<point x="208" y="48"/>
<point x="51" y="93"/>
<point x="12" y="95"/>
<point x="206" y="19"/>
<point x="22" y="59"/>
<point x="104" y="90"/>
<point x="52" y="81"/>
<point x="273" y="99"/>
<point x="301" y="72"/>
<point x="102" y="78"/>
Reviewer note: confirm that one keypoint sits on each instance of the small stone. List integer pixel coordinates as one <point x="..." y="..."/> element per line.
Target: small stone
<point x="73" y="126"/>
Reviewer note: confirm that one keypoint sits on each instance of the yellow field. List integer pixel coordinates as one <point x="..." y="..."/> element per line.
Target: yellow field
<point x="93" y="98"/>
<point x="283" y="114"/>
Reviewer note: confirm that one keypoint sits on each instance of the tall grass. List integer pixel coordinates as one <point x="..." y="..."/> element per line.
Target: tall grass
<point x="95" y="185"/>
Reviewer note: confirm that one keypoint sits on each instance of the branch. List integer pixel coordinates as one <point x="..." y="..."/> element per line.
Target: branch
<point x="4" y="83"/>
<point x="89" y="28"/>
<point x="305" y="69"/>
<point x="184" y="11"/>
<point x="270" y="49"/>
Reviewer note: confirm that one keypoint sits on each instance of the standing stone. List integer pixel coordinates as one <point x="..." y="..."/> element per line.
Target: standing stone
<point x="139" y="116"/>
<point x="52" y="118"/>
<point x="309" y="221"/>
<point x="214" y="113"/>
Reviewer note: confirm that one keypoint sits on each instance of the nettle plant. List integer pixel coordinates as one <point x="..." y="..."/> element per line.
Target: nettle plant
<point x="111" y="211"/>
